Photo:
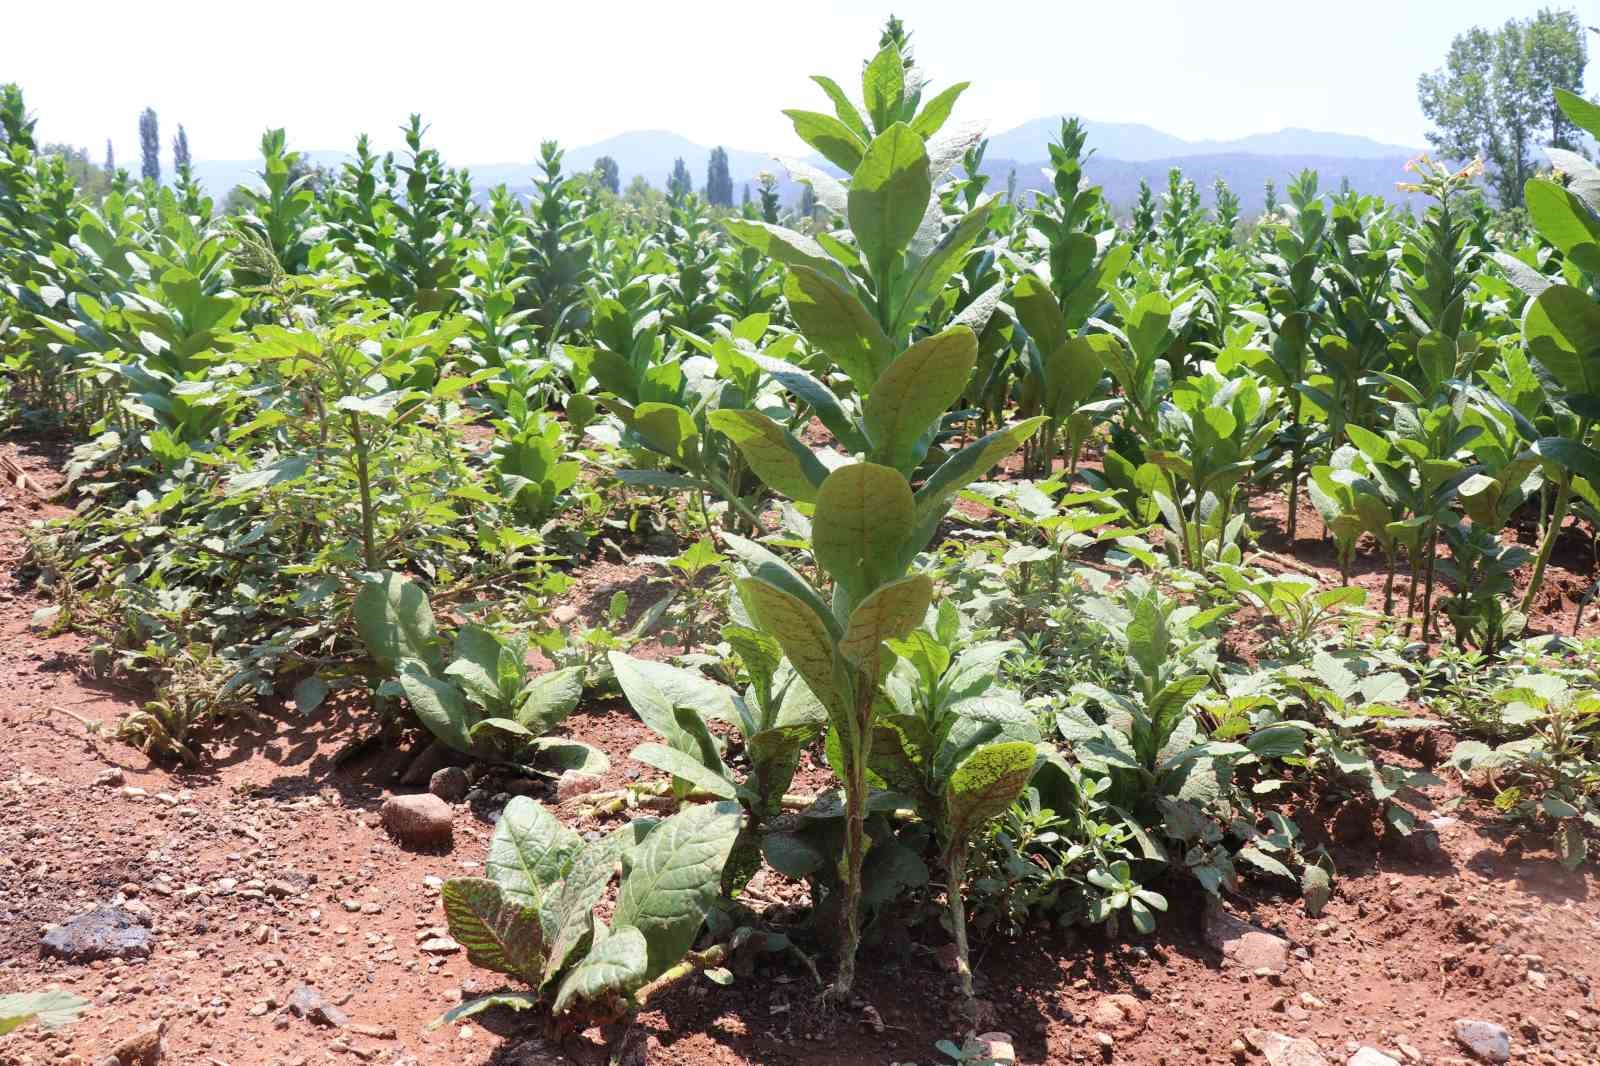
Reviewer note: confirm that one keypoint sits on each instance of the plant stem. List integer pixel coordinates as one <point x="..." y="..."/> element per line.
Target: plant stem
<point x="1547" y="542"/>
<point x="1427" y="596"/>
<point x="1388" y="589"/>
<point x="369" y="552"/>
<point x="956" y="872"/>
<point x="855" y="817"/>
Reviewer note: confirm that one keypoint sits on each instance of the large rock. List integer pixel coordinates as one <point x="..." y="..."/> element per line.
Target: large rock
<point x="1244" y="944"/>
<point x="107" y="932"/>
<point x="423" y="821"/>
<point x="1281" y="1050"/>
<point x="1487" y="1041"/>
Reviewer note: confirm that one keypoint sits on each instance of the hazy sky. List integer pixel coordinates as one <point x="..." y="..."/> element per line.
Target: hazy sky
<point x="495" y="78"/>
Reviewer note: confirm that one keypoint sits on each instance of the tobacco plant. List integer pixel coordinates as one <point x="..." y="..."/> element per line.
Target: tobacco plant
<point x="860" y="304"/>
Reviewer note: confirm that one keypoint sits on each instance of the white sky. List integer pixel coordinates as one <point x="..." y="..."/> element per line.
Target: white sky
<point x="494" y="78"/>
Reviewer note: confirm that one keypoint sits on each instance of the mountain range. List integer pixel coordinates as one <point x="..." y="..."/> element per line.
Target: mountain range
<point x="1124" y="154"/>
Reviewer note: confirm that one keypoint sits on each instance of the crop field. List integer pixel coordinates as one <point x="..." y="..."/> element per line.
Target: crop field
<point x="921" y="623"/>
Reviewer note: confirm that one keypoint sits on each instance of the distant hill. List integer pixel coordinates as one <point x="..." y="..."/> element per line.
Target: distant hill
<point x="1123" y="154"/>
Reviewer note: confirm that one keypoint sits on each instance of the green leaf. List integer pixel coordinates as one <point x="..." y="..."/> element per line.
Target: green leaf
<point x="564" y="753"/>
<point x="309" y="694"/>
<point x="985" y="785"/>
<point x="52" y="1009"/>
<point x="546" y="700"/>
<point x="499" y="933"/>
<point x="936" y="111"/>
<point x="1039" y="313"/>
<point x="1562" y="328"/>
<point x="394" y="620"/>
<point x="830" y="137"/>
<point x="289" y="468"/>
<point x="680" y="764"/>
<point x="864" y="513"/>
<point x="438" y="704"/>
<point x="785" y="245"/>
<point x="937" y="268"/>
<point x="1316" y="889"/>
<point x="967" y="466"/>
<point x="781" y="462"/>
<point x="530" y="851"/>
<point x="618" y="963"/>
<point x="802" y="630"/>
<point x="903" y="411"/>
<point x="889" y="194"/>
<point x="843" y="107"/>
<point x="883" y="85"/>
<point x="1565" y="221"/>
<point x="890" y="612"/>
<point x="834" y="321"/>
<point x="657" y="690"/>
<point x="1579" y="459"/>
<point x="572" y="909"/>
<point x="675" y="879"/>
<point x="668" y="429"/>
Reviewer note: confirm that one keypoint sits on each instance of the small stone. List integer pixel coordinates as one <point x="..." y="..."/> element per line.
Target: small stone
<point x="575" y="783"/>
<point x="282" y="889"/>
<point x="420" y="821"/>
<point x="1245" y="945"/>
<point x="306" y="1002"/>
<point x="143" y="1048"/>
<point x="376" y="1032"/>
<point x="103" y="933"/>
<point x="1281" y="1050"/>
<point x="351" y="905"/>
<point x="439" y="945"/>
<point x="449" y="784"/>
<point x="1372" y="1057"/>
<point x="564" y="615"/>
<point x="1487" y="1041"/>
<point x="997" y="1047"/>
<point x="112" y="778"/>
<point x="134" y="792"/>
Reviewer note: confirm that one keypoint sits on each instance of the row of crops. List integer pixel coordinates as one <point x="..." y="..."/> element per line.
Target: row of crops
<point x="961" y="498"/>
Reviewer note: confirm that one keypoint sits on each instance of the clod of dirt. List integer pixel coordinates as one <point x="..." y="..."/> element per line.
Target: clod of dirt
<point x="449" y="784"/>
<point x="306" y="1002"/>
<point x="143" y="1048"/>
<point x="1120" y="1014"/>
<point x="1281" y="1050"/>
<point x="1487" y="1041"/>
<point x="423" y="821"/>
<point x="107" y="932"/>
<point x="1245" y="945"/>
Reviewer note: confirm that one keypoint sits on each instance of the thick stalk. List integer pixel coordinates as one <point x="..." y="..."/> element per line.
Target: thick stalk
<point x="1427" y="596"/>
<point x="369" y="553"/>
<point x="956" y="873"/>
<point x="1547" y="542"/>
<point x="855" y="817"/>
<point x="1388" y="589"/>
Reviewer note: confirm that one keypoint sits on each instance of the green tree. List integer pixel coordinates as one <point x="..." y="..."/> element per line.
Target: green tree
<point x="719" y="182"/>
<point x="150" y="145"/>
<point x="679" y="183"/>
<point x="1495" y="95"/>
<point x="111" y="159"/>
<point x="180" y="149"/>
<point x="610" y="175"/>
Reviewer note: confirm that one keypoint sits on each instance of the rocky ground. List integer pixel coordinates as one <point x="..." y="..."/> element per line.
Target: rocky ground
<point x="261" y="911"/>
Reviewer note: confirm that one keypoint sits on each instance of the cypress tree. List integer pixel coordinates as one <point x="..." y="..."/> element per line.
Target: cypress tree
<point x="679" y="183"/>
<point x="180" y="149"/>
<point x="610" y="175"/>
<point x="719" y="182"/>
<point x="150" y="146"/>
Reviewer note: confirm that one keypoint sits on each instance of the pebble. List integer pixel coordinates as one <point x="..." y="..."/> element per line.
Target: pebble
<point x="439" y="945"/>
<point x="1372" y="1057"/>
<point x="575" y="783"/>
<point x="112" y="778"/>
<point x="421" y="821"/>
<point x="306" y="1002"/>
<point x="997" y="1047"/>
<point x="1487" y="1041"/>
